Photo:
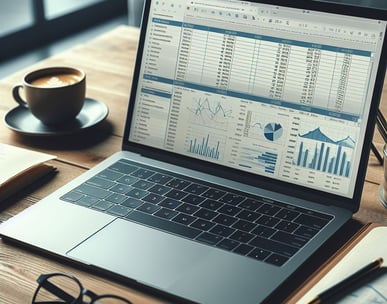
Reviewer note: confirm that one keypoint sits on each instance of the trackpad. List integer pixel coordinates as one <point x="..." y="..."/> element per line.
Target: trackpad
<point x="146" y="255"/>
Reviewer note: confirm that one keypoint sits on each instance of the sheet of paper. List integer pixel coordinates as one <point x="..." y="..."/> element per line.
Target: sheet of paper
<point x="371" y="247"/>
<point x="14" y="160"/>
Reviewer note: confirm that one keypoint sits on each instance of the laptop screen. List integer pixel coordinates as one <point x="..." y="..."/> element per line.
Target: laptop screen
<point x="276" y="91"/>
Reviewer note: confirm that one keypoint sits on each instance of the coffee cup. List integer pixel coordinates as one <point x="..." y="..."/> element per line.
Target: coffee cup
<point x="54" y="95"/>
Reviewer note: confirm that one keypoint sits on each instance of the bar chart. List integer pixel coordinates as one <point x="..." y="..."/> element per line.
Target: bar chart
<point x="258" y="160"/>
<point x="318" y="152"/>
<point x="205" y="146"/>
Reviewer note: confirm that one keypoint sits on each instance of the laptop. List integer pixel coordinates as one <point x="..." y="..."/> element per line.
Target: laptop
<point x="245" y="149"/>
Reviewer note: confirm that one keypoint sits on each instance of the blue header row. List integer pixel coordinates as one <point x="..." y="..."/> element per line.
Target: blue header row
<point x="263" y="37"/>
<point x="276" y="102"/>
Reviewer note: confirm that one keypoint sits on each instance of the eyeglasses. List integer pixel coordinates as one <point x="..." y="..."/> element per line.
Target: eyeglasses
<point x="65" y="288"/>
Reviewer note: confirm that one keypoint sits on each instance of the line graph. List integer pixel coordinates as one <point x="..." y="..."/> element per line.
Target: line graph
<point x="210" y="113"/>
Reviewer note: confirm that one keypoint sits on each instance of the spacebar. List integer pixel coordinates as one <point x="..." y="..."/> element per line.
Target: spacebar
<point x="162" y="224"/>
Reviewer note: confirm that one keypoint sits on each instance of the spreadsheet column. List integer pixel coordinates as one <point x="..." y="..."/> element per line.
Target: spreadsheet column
<point x="191" y="55"/>
<point x="244" y="64"/>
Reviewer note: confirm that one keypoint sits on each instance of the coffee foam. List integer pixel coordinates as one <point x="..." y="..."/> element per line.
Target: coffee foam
<point x="53" y="81"/>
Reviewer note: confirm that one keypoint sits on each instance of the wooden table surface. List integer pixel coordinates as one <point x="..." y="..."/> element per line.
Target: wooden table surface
<point x="108" y="62"/>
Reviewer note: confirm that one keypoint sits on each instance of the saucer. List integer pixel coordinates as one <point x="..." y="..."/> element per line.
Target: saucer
<point x="21" y="120"/>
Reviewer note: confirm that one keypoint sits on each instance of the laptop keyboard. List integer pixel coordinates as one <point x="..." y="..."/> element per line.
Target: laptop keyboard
<point x="249" y="225"/>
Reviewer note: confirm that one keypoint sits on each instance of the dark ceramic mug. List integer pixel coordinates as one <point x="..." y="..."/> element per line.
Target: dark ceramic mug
<point x="54" y="95"/>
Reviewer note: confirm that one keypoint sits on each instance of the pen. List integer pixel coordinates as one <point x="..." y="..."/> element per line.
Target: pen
<point x="342" y="288"/>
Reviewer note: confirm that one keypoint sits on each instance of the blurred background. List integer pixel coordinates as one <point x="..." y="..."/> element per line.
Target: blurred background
<point x="31" y="30"/>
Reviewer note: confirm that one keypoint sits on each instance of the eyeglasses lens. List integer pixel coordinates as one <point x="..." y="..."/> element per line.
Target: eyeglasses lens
<point x="58" y="289"/>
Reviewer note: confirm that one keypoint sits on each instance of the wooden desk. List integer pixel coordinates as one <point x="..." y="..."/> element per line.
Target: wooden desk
<point x="108" y="61"/>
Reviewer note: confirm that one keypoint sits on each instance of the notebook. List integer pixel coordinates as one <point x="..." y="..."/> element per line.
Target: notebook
<point x="245" y="149"/>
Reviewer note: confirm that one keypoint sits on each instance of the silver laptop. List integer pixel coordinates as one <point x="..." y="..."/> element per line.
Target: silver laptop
<point x="245" y="149"/>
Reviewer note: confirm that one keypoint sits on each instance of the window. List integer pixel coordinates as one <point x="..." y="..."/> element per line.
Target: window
<point x="28" y="24"/>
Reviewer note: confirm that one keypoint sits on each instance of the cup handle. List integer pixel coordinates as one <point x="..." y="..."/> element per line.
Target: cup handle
<point x="16" y="96"/>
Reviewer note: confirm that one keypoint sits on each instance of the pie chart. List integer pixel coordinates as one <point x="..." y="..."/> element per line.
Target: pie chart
<point x="273" y="131"/>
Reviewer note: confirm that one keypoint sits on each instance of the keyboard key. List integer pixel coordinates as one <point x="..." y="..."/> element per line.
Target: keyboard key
<point x="131" y="202"/>
<point x="222" y="230"/>
<point x="184" y="219"/>
<point x="243" y="249"/>
<point x="247" y="215"/>
<point x="143" y="184"/>
<point x="291" y="239"/>
<point x="195" y="189"/>
<point x="88" y="201"/>
<point x="241" y="236"/>
<point x="159" y="189"/>
<point x="153" y="198"/>
<point x="116" y="198"/>
<point x="206" y="214"/>
<point x="72" y="196"/>
<point x="259" y="254"/>
<point x="273" y="246"/>
<point x="227" y="244"/>
<point x="211" y="204"/>
<point x="187" y="208"/>
<point x="163" y="224"/>
<point x="160" y="178"/>
<point x="324" y="216"/>
<point x="166" y="213"/>
<point x="193" y="199"/>
<point x="176" y="194"/>
<point x="100" y="183"/>
<point x="288" y="215"/>
<point x="203" y="225"/>
<point x="123" y="168"/>
<point x="143" y="173"/>
<point x="177" y="183"/>
<point x="137" y="193"/>
<point x="311" y="221"/>
<point x="268" y="221"/>
<point x="287" y="226"/>
<point x="170" y="203"/>
<point x="244" y="225"/>
<point x="214" y="194"/>
<point x="306" y="232"/>
<point x="276" y="259"/>
<point x="263" y="231"/>
<point x="119" y="210"/>
<point x="209" y="238"/>
<point x="103" y="205"/>
<point x="225" y="220"/>
<point x="250" y="204"/>
<point x="92" y="191"/>
<point x="268" y="209"/>
<point x="110" y="174"/>
<point x="127" y="180"/>
<point x="229" y="210"/>
<point x="232" y="199"/>
<point x="148" y="208"/>
<point x="121" y="188"/>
